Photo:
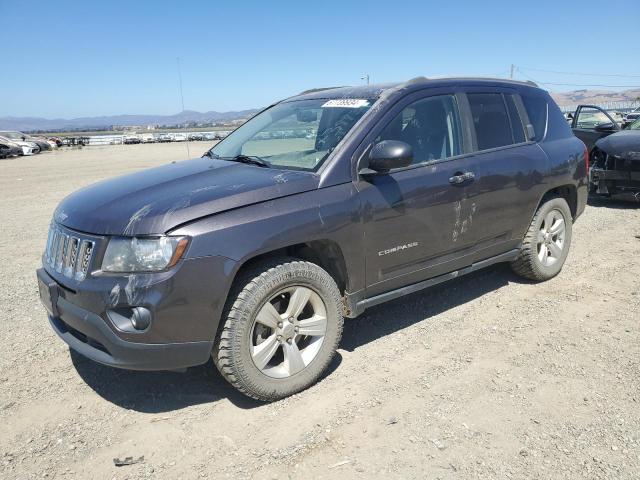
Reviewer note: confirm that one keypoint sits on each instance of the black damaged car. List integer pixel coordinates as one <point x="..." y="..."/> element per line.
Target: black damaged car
<point x="615" y="164"/>
<point x="9" y="150"/>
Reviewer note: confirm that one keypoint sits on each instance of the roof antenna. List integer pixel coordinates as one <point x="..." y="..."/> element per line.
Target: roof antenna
<point x="182" y="100"/>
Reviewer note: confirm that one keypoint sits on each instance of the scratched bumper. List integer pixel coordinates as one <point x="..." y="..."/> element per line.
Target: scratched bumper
<point x="185" y="304"/>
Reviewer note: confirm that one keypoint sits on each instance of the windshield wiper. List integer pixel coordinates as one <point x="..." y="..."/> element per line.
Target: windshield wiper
<point x="249" y="159"/>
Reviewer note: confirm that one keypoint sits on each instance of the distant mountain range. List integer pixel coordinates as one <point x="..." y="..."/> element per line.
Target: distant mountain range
<point x="594" y="96"/>
<point x="60" y="124"/>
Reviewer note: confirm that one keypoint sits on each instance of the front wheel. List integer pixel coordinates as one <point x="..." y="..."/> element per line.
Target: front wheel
<point x="546" y="244"/>
<point x="282" y="326"/>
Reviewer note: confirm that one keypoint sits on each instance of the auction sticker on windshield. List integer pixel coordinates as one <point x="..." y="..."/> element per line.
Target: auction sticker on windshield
<point x="346" y="103"/>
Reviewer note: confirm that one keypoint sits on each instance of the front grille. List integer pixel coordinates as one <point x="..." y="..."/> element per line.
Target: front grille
<point x="68" y="252"/>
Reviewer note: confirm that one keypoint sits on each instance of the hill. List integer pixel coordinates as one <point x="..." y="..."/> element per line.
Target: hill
<point x="594" y="96"/>
<point x="62" y="124"/>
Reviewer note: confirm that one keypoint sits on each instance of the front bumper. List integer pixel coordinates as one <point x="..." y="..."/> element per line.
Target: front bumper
<point x="621" y="183"/>
<point x="185" y="314"/>
<point x="87" y="334"/>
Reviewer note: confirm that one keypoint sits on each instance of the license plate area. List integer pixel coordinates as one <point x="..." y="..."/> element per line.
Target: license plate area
<point x="48" y="293"/>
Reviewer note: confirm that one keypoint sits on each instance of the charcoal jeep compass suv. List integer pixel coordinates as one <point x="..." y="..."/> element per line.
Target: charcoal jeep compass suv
<point x="317" y="208"/>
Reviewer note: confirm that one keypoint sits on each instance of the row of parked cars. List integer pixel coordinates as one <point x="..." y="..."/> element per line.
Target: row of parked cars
<point x="13" y="144"/>
<point x="172" y="137"/>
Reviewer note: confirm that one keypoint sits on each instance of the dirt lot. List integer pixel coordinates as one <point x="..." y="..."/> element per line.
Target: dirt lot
<point x="483" y="377"/>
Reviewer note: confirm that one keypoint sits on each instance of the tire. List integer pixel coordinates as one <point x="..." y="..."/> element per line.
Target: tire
<point x="545" y="234"/>
<point x="263" y="324"/>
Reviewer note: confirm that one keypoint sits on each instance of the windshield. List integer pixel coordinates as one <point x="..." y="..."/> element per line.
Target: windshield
<point x="635" y="125"/>
<point x="12" y="135"/>
<point x="297" y="135"/>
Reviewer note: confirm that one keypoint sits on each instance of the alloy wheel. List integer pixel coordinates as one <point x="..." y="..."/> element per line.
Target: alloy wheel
<point x="288" y="332"/>
<point x="551" y="238"/>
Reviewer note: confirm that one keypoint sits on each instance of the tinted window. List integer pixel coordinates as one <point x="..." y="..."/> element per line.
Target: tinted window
<point x="491" y="121"/>
<point x="557" y="126"/>
<point x="430" y="126"/>
<point x="536" y="107"/>
<point x="516" y="122"/>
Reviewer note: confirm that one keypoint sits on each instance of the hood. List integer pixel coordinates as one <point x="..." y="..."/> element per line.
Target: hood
<point x="157" y="200"/>
<point x="624" y="144"/>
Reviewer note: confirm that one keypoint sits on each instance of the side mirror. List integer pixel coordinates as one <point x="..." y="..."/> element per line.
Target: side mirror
<point x="387" y="155"/>
<point x="605" y="127"/>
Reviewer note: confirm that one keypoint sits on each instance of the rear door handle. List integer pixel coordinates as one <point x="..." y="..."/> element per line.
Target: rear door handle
<point x="462" y="177"/>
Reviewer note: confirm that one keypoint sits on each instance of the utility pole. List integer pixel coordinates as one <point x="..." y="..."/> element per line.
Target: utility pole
<point x="365" y="77"/>
<point x="182" y="101"/>
<point x="513" y="67"/>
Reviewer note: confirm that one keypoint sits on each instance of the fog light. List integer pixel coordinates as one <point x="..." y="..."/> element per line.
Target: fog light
<point x="140" y="318"/>
<point x="130" y="319"/>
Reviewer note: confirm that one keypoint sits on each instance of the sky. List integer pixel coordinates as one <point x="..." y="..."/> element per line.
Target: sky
<point x="67" y="59"/>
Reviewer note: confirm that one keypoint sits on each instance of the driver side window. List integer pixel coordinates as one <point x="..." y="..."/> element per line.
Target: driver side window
<point x="590" y="117"/>
<point x="431" y="126"/>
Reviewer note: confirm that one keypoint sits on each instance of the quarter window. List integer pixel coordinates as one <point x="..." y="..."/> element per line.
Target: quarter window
<point x="536" y="107"/>
<point x="490" y="119"/>
<point x="431" y="126"/>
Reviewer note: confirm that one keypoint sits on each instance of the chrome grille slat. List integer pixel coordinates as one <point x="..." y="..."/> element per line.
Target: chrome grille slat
<point x="47" y="252"/>
<point x="68" y="253"/>
<point x="70" y="256"/>
<point x="62" y="246"/>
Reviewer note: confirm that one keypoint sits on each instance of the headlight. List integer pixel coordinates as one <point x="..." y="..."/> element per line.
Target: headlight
<point x="135" y="254"/>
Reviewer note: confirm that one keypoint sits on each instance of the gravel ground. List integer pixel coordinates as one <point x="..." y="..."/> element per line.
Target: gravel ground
<point x="483" y="377"/>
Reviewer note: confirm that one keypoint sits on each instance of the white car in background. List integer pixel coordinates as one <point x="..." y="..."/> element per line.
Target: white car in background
<point x="631" y="117"/>
<point x="179" y="137"/>
<point x="28" y="148"/>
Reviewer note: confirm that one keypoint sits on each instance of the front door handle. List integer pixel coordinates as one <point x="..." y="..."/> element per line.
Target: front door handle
<point x="462" y="177"/>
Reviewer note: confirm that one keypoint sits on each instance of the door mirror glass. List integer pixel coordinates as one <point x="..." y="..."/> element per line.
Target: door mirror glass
<point x="389" y="154"/>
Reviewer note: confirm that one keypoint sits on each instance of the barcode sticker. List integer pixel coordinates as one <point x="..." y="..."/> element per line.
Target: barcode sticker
<point x="346" y="103"/>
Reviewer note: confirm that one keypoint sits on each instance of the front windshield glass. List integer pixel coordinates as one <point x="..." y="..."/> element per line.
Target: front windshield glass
<point x="297" y="135"/>
<point x="635" y="125"/>
<point x="12" y="135"/>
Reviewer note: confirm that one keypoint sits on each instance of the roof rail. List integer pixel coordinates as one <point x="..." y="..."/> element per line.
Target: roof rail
<point x="313" y="90"/>
<point x="415" y="80"/>
<point x="424" y="79"/>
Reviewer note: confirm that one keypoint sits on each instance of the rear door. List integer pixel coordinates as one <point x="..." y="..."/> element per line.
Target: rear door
<point x="586" y="124"/>
<point x="509" y="168"/>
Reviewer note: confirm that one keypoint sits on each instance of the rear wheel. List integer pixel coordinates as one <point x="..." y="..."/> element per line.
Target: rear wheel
<point x="282" y="325"/>
<point x="546" y="244"/>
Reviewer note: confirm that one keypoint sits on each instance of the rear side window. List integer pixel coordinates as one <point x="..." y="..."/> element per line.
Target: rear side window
<point x="491" y="121"/>
<point x="536" y="107"/>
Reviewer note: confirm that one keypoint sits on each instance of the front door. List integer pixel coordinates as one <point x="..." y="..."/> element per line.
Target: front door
<point x="592" y="123"/>
<point x="416" y="218"/>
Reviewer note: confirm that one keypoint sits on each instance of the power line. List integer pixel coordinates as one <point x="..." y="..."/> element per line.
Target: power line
<point x="582" y="74"/>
